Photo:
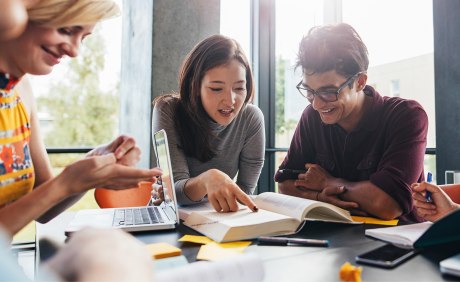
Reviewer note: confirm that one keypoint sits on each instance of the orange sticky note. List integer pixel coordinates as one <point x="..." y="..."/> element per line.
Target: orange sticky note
<point x="350" y="273"/>
<point x="163" y="250"/>
<point x="195" y="239"/>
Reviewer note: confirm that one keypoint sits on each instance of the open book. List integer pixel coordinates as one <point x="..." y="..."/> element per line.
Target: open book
<point x="278" y="215"/>
<point x="421" y="235"/>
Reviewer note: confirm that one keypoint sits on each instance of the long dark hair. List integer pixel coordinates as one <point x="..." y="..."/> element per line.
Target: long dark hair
<point x="191" y="120"/>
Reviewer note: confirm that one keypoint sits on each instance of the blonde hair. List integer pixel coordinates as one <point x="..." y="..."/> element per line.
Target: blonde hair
<point x="64" y="13"/>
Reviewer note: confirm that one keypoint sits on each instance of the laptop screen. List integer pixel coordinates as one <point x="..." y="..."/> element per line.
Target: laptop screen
<point x="165" y="196"/>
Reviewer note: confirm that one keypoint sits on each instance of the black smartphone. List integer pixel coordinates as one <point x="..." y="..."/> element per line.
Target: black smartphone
<point x="291" y="173"/>
<point x="387" y="256"/>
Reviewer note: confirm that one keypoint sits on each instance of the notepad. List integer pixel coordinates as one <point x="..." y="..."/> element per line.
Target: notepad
<point x="163" y="250"/>
<point x="421" y="235"/>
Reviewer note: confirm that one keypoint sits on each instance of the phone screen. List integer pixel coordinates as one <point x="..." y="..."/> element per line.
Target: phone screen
<point x="291" y="173"/>
<point x="386" y="256"/>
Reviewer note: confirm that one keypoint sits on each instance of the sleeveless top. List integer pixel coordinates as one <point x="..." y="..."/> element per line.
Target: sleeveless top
<point x="16" y="169"/>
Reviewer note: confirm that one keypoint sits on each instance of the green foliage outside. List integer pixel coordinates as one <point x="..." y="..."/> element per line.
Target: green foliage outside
<point x="83" y="115"/>
<point x="283" y="126"/>
<point x="279" y="95"/>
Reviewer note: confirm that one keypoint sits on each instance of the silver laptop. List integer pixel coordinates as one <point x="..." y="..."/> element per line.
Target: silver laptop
<point x="161" y="212"/>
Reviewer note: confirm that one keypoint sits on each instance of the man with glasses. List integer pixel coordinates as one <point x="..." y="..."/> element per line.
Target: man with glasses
<point x="361" y="151"/>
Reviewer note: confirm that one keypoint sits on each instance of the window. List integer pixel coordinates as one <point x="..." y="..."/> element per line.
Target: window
<point x="394" y="88"/>
<point x="400" y="49"/>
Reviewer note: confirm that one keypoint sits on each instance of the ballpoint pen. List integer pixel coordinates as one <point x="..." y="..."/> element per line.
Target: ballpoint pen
<point x="429" y="178"/>
<point x="286" y="241"/>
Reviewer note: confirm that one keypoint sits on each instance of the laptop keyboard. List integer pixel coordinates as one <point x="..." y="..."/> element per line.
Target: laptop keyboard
<point x="137" y="216"/>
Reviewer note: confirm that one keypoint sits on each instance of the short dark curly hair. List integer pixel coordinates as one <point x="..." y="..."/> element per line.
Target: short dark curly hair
<point x="333" y="47"/>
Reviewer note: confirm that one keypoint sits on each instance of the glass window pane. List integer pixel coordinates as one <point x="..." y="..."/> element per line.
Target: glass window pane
<point x="400" y="48"/>
<point x="78" y="102"/>
<point x="235" y="22"/>
<point x="293" y="20"/>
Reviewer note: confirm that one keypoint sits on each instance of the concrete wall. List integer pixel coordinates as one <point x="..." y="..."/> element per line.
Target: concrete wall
<point x="416" y="80"/>
<point x="157" y="34"/>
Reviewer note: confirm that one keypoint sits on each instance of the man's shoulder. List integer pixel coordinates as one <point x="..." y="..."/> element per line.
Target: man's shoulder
<point x="396" y="104"/>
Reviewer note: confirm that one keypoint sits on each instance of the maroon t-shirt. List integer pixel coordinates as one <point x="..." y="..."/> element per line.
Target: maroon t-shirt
<point x="387" y="147"/>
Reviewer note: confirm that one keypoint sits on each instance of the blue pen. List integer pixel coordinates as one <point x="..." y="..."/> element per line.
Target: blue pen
<point x="429" y="178"/>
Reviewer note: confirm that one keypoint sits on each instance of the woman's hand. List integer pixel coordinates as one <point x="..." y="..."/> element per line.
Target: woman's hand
<point x="440" y="205"/>
<point x="123" y="147"/>
<point x="103" y="171"/>
<point x="223" y="193"/>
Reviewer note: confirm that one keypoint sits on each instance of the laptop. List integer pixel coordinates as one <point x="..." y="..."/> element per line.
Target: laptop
<point x="161" y="213"/>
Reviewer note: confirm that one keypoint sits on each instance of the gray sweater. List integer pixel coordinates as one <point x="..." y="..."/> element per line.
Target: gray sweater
<point x="239" y="148"/>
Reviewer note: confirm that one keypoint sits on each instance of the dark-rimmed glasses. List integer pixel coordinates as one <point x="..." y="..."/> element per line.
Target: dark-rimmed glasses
<point x="327" y="95"/>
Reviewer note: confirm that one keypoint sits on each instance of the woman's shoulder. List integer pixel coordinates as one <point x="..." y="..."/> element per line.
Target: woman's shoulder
<point x="252" y="111"/>
<point x="166" y="102"/>
<point x="251" y="117"/>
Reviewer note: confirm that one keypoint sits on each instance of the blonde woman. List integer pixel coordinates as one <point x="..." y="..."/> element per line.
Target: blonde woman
<point x="28" y="190"/>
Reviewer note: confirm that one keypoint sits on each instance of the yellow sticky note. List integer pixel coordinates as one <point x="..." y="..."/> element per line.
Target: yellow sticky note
<point x="238" y="246"/>
<point x="214" y="252"/>
<point x="163" y="250"/>
<point x="373" y="220"/>
<point x="195" y="239"/>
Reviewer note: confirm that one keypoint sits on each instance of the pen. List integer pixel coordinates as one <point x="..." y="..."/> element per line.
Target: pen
<point x="429" y="178"/>
<point x="285" y="241"/>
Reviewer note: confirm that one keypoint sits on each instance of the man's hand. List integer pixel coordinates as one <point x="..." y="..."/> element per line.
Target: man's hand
<point x="316" y="178"/>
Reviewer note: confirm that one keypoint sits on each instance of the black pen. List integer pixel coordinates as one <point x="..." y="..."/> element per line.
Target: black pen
<point x="286" y="241"/>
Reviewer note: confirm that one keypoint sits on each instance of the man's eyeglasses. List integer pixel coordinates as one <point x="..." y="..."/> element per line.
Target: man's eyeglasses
<point x="327" y="95"/>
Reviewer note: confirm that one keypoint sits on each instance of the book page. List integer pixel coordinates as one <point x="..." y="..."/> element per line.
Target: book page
<point x="242" y="217"/>
<point x="283" y="204"/>
<point x="301" y="208"/>
<point x="185" y="211"/>
<point x="244" y="268"/>
<point x="240" y="225"/>
<point x="404" y="235"/>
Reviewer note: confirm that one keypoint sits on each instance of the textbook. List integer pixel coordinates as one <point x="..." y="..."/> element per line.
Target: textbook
<point x="278" y="215"/>
<point x="421" y="235"/>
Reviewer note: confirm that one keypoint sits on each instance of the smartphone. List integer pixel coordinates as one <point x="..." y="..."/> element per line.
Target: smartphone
<point x="291" y="173"/>
<point x="387" y="256"/>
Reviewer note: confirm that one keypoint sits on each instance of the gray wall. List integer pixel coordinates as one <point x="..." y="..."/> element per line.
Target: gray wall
<point x="157" y="34"/>
<point x="447" y="85"/>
